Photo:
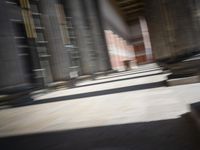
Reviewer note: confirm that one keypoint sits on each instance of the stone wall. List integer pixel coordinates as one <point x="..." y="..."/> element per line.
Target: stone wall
<point x="172" y="28"/>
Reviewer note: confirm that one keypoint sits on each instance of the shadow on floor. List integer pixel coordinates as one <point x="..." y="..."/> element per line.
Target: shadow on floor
<point x="125" y="73"/>
<point x="30" y="101"/>
<point x="174" y="134"/>
<point x="128" y="78"/>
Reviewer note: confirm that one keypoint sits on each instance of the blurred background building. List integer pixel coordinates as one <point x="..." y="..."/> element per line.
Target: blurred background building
<point x="48" y="41"/>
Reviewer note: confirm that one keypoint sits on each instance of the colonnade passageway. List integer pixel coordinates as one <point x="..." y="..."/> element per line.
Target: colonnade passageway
<point x="99" y="74"/>
<point x="129" y="110"/>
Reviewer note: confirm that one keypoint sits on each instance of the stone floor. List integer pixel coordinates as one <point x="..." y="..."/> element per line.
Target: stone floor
<point x="123" y="111"/>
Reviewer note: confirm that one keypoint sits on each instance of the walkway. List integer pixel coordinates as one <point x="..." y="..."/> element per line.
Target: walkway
<point x="123" y="111"/>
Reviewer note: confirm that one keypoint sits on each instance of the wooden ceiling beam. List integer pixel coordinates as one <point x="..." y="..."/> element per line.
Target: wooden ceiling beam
<point x="125" y="3"/>
<point x="118" y="9"/>
<point x="133" y="11"/>
<point x="135" y="15"/>
<point x="132" y="6"/>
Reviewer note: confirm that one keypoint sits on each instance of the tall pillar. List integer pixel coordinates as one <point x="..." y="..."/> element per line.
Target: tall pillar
<point x="103" y="62"/>
<point x="12" y="72"/>
<point x="76" y="10"/>
<point x="146" y="38"/>
<point x="158" y="29"/>
<point x="59" y="57"/>
<point x="172" y="28"/>
<point x="195" y="13"/>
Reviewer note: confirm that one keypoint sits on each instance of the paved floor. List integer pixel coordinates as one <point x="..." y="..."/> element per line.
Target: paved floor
<point x="124" y="111"/>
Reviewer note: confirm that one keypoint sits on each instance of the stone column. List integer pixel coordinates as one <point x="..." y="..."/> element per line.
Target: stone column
<point x="146" y="38"/>
<point x="59" y="57"/>
<point x="171" y="28"/>
<point x="12" y="72"/>
<point x="157" y="29"/>
<point x="102" y="58"/>
<point x="76" y="10"/>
